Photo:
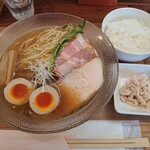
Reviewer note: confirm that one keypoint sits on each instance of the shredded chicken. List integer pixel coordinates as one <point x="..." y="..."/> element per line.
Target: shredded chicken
<point x="136" y="91"/>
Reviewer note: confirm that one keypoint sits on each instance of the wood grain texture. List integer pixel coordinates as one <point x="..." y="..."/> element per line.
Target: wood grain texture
<point x="95" y="14"/>
<point x="1" y="5"/>
<point x="108" y="143"/>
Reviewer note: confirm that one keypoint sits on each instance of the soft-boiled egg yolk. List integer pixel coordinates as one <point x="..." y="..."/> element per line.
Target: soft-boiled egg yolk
<point x="18" y="90"/>
<point x="44" y="100"/>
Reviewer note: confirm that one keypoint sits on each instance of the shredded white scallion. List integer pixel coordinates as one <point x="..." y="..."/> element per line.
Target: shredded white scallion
<point x="41" y="72"/>
<point x="42" y="75"/>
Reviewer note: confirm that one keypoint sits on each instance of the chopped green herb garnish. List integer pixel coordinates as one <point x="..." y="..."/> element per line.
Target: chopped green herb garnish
<point x="65" y="26"/>
<point x="77" y="29"/>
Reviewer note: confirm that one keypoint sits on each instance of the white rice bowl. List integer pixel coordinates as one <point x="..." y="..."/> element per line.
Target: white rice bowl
<point x="129" y="31"/>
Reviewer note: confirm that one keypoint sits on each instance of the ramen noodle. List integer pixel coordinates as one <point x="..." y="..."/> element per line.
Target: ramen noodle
<point x="51" y="71"/>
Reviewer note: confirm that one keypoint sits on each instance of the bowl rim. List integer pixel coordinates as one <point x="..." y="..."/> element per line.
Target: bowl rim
<point x="129" y="53"/>
<point x="120" y="9"/>
<point x="126" y="8"/>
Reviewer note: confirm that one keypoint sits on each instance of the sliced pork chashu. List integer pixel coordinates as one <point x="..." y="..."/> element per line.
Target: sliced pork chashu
<point x="75" y="46"/>
<point x="79" y="85"/>
<point x="76" y="61"/>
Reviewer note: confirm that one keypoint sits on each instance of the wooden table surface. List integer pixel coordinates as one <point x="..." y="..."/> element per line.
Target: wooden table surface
<point x="94" y="14"/>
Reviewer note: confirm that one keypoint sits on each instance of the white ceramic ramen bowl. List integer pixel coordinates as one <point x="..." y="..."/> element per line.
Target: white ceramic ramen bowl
<point x="128" y="13"/>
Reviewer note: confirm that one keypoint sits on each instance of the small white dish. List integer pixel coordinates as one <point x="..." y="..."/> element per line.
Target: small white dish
<point x="127" y="71"/>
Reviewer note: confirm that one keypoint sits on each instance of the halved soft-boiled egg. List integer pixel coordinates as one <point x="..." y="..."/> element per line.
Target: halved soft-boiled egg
<point x="18" y="91"/>
<point x="44" y="100"/>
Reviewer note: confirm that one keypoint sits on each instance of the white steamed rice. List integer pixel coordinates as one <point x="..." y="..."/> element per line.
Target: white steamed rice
<point x="129" y="35"/>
